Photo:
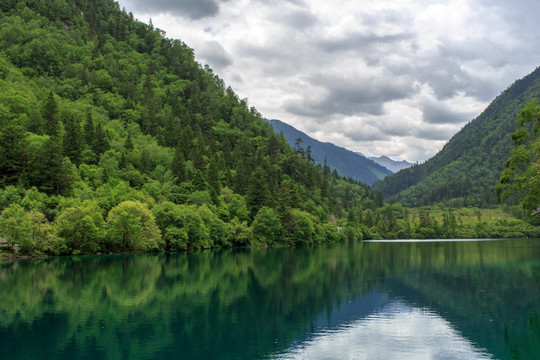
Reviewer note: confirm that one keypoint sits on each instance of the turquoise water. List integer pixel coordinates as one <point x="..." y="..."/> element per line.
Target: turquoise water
<point x="380" y="300"/>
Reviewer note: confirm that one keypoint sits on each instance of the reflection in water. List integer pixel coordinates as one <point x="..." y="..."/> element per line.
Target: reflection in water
<point x="397" y="331"/>
<point x="250" y="304"/>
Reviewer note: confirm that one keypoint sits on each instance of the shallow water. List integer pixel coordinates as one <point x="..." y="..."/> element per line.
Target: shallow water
<point x="376" y="300"/>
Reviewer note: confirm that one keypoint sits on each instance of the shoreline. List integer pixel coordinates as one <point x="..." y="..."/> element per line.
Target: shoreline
<point x="7" y="256"/>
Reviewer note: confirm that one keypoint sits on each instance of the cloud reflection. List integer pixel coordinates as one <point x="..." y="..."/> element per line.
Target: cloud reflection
<point x="397" y="331"/>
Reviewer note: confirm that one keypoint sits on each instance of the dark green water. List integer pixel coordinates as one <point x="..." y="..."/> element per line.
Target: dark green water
<point x="444" y="300"/>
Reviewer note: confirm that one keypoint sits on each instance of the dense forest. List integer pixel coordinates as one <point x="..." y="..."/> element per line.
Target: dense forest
<point x="466" y="170"/>
<point x="113" y="139"/>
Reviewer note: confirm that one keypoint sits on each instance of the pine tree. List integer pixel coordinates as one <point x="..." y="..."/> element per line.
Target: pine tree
<point x="178" y="165"/>
<point x="298" y="147"/>
<point x="198" y="181"/>
<point x="72" y="139"/>
<point x="100" y="143"/>
<point x="128" y="145"/>
<point x="49" y="171"/>
<point x="50" y="115"/>
<point x="308" y="154"/>
<point x="258" y="193"/>
<point x="89" y="129"/>
<point x="325" y="178"/>
<point x="213" y="175"/>
<point x="13" y="154"/>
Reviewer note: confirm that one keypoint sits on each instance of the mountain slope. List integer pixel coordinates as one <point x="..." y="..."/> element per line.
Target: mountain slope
<point x="113" y="139"/>
<point x="466" y="170"/>
<point x="392" y="165"/>
<point x="346" y="162"/>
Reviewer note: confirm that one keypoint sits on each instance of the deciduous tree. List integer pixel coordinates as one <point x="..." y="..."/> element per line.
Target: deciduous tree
<point x="521" y="174"/>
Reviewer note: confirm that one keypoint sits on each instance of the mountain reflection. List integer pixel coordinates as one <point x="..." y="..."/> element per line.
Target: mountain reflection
<point x="255" y="303"/>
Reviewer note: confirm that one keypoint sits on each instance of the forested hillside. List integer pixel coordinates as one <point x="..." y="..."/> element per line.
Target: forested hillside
<point x="112" y="138"/>
<point x="347" y="163"/>
<point x="466" y="171"/>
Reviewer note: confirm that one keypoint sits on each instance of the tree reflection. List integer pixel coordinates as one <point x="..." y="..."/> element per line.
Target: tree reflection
<point x="248" y="303"/>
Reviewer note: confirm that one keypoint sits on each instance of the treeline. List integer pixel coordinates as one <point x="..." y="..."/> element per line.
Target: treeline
<point x="113" y="139"/>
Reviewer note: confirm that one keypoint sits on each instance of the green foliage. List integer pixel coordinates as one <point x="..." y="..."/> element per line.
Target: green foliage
<point x="299" y="227"/>
<point x="102" y="116"/>
<point x="50" y="115"/>
<point x="521" y="175"/>
<point x="132" y="227"/>
<point x="240" y="234"/>
<point x="44" y="236"/>
<point x="73" y="141"/>
<point x="267" y="226"/>
<point x="14" y="154"/>
<point x="16" y="228"/>
<point x="81" y="226"/>
<point x="258" y="193"/>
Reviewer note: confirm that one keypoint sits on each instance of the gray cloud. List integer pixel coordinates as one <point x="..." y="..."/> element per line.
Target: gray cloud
<point x="438" y="113"/>
<point x="359" y="42"/>
<point x="365" y="135"/>
<point x="472" y="50"/>
<point x="445" y="76"/>
<point x="193" y="9"/>
<point x="359" y="132"/>
<point x="216" y="56"/>
<point x="374" y="20"/>
<point x="301" y="3"/>
<point x="263" y="53"/>
<point x="434" y="132"/>
<point x="360" y="72"/>
<point x="297" y="19"/>
<point x="349" y="96"/>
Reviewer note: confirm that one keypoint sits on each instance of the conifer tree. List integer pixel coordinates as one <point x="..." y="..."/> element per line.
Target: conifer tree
<point x="49" y="171"/>
<point x="13" y="154"/>
<point x="72" y="139"/>
<point x="89" y="129"/>
<point x="258" y="193"/>
<point x="100" y="143"/>
<point x="50" y="115"/>
<point x="213" y="175"/>
<point x="198" y="181"/>
<point x="178" y="165"/>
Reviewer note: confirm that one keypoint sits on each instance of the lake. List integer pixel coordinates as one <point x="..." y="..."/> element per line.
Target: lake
<point x="368" y="300"/>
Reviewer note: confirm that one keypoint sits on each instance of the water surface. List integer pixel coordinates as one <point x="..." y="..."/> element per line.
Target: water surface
<point x="386" y="300"/>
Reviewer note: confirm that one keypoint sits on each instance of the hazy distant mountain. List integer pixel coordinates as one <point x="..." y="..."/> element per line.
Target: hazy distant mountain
<point x="392" y="165"/>
<point x="467" y="169"/>
<point x="346" y="162"/>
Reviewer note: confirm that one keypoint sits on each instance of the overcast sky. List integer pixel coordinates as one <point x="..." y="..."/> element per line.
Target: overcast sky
<point x="395" y="78"/>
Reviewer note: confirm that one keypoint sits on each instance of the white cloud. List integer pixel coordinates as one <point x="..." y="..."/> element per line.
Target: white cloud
<point x="383" y="78"/>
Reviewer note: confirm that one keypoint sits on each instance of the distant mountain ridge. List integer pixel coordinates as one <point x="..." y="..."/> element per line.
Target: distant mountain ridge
<point x="466" y="170"/>
<point x="392" y="165"/>
<point x="346" y="162"/>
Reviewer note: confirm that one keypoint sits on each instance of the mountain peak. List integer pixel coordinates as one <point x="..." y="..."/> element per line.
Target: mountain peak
<point x="393" y="165"/>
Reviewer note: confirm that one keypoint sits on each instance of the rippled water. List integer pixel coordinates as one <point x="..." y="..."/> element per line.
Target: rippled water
<point x="397" y="331"/>
<point x="383" y="300"/>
